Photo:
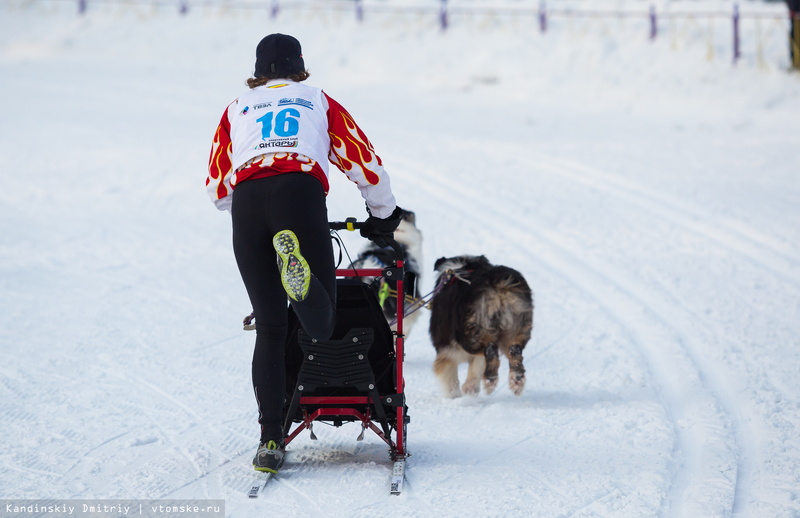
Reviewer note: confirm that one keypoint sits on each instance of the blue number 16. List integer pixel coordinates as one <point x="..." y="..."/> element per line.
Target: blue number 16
<point x="287" y="123"/>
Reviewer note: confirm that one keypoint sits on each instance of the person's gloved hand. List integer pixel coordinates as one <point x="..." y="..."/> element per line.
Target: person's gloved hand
<point x="378" y="229"/>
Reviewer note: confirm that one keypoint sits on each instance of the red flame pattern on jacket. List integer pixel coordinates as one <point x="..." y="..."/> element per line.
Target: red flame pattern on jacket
<point x="351" y="150"/>
<point x="220" y="162"/>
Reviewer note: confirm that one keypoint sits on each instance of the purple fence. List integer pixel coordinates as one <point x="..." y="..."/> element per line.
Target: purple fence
<point x="543" y="13"/>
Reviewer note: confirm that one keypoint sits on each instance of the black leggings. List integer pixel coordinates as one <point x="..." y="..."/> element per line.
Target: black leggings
<point x="261" y="208"/>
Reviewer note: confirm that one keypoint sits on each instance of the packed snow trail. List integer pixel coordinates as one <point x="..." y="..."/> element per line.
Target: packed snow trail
<point x="648" y="195"/>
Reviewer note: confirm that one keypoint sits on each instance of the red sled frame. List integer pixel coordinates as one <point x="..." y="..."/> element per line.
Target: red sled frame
<point x="351" y="407"/>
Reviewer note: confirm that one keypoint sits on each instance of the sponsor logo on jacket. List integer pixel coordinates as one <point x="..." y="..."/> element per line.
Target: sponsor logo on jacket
<point x="298" y="101"/>
<point x="288" y="142"/>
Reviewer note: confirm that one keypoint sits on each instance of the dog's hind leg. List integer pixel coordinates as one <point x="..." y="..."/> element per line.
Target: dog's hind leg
<point x="477" y="366"/>
<point x="492" y="358"/>
<point x="516" y="371"/>
<point x="446" y="369"/>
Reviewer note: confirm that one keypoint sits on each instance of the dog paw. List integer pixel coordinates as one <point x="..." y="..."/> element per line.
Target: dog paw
<point x="453" y="394"/>
<point x="517" y="384"/>
<point x="489" y="385"/>
<point x="471" y="388"/>
<point x="451" y="391"/>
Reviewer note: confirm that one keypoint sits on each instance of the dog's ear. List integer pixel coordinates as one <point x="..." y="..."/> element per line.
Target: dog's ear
<point x="410" y="217"/>
<point x="438" y="263"/>
<point x="481" y="260"/>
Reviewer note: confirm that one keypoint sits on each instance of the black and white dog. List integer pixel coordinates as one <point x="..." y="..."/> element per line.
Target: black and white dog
<point x="479" y="311"/>
<point x="409" y="237"/>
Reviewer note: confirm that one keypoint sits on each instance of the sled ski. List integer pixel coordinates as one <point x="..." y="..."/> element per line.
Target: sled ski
<point x="261" y="482"/>
<point x="398" y="476"/>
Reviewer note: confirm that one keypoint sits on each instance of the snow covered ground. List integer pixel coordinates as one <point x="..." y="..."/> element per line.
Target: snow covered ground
<point x="649" y="194"/>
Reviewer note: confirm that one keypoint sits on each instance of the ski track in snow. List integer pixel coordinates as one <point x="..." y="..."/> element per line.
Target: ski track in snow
<point x="703" y="411"/>
<point x="747" y="242"/>
<point x="621" y="300"/>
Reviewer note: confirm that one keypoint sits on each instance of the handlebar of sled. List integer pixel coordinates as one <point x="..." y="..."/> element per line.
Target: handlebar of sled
<point x="352" y="224"/>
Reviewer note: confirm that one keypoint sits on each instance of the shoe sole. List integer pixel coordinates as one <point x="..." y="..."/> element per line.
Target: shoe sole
<point x="269" y="470"/>
<point x="295" y="273"/>
<point x="266" y="470"/>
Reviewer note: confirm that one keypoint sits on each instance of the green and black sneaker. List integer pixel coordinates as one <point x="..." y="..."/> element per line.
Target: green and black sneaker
<point x="295" y="273"/>
<point x="269" y="457"/>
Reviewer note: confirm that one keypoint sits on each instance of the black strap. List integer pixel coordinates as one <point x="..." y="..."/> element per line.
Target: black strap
<point x="338" y="240"/>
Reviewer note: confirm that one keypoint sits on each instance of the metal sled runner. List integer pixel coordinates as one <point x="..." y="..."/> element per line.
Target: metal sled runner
<point x="356" y="375"/>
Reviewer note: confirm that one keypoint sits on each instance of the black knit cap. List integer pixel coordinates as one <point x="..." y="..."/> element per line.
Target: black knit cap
<point x="279" y="56"/>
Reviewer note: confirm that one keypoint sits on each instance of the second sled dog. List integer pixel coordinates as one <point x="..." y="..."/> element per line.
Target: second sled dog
<point x="480" y="311"/>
